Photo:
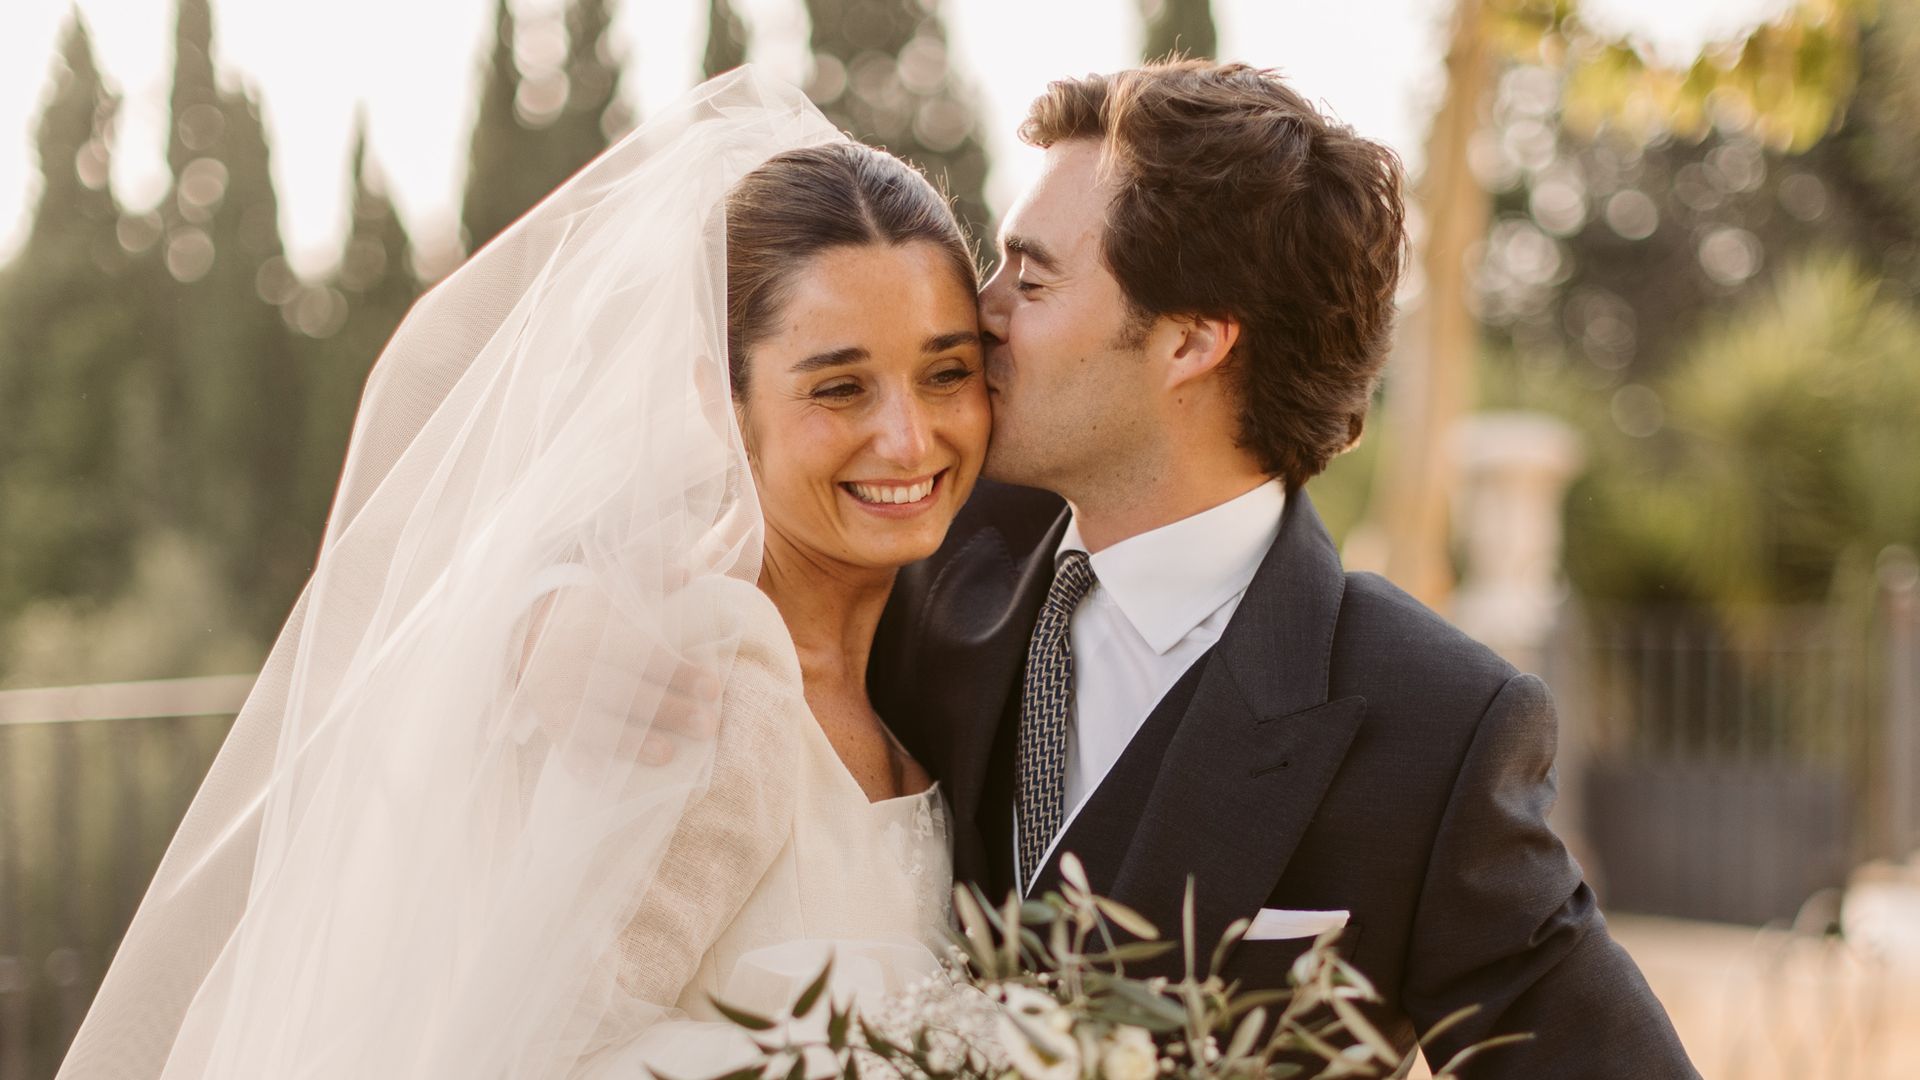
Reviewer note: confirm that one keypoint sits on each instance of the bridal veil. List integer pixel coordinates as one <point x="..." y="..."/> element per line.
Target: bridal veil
<point x="440" y="803"/>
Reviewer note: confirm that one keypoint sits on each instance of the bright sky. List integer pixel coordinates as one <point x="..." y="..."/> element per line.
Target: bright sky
<point x="413" y="65"/>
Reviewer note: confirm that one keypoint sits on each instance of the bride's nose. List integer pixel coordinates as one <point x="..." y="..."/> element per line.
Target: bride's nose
<point x="905" y="432"/>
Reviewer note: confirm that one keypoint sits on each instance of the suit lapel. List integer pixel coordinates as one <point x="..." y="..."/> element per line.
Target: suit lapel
<point x="995" y="667"/>
<point x="1256" y="749"/>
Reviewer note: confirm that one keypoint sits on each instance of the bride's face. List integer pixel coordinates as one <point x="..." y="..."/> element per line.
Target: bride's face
<point x="866" y="411"/>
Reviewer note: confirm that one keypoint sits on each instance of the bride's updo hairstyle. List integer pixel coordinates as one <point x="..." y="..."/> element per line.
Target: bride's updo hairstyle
<point x="805" y="202"/>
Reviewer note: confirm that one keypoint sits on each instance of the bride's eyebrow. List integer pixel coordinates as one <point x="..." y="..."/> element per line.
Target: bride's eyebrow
<point x="851" y="354"/>
<point x="954" y="340"/>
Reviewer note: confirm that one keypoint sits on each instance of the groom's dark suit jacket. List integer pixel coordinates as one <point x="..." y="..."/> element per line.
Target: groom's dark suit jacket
<point x="1340" y="747"/>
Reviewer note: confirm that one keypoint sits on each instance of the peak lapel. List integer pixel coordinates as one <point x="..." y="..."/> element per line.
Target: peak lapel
<point x="1256" y="750"/>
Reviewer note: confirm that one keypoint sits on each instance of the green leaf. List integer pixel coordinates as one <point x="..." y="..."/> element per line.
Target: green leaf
<point x="878" y="1044"/>
<point x="1248" y="1031"/>
<point x="972" y="914"/>
<point x="799" y="1070"/>
<point x="852" y="1071"/>
<point x="837" y="1028"/>
<point x="1133" y="952"/>
<point x="811" y="995"/>
<point x="1363" y="1030"/>
<point x="1447" y="1023"/>
<point x="1127" y="919"/>
<point x="741" y="1017"/>
<point x="1452" y="1069"/>
<point x="1186" y="925"/>
<point x="1073" y="873"/>
<point x="1235" y="930"/>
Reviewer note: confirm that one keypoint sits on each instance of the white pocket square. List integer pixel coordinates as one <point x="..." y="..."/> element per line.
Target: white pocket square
<point x="1273" y="924"/>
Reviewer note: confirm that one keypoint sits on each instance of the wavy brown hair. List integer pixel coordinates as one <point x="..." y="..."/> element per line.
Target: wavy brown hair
<point x="1238" y="199"/>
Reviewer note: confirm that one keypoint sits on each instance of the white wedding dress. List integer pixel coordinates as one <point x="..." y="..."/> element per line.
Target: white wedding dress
<point x="436" y="844"/>
<point x="782" y="866"/>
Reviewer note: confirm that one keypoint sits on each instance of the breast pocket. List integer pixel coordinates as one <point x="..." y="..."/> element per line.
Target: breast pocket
<point x="1263" y="965"/>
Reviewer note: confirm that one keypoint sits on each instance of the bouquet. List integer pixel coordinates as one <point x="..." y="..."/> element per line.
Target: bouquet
<point x="1038" y="990"/>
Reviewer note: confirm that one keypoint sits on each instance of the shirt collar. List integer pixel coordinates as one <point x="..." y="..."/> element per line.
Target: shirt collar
<point x="1168" y="580"/>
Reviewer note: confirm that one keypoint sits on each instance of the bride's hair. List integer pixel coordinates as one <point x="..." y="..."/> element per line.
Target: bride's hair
<point x="805" y="202"/>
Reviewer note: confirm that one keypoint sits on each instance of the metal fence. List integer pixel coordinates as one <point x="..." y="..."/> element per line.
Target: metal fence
<point x="93" y="781"/>
<point x="1732" y="769"/>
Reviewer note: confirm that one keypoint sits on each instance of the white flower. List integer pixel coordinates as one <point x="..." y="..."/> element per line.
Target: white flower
<point x="1037" y="1035"/>
<point x="1128" y="1053"/>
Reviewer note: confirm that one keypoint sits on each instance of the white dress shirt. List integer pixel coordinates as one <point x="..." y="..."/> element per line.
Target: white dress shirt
<point x="1160" y="600"/>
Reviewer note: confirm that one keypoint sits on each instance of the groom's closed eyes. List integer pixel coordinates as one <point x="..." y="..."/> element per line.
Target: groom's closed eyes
<point x="1030" y="250"/>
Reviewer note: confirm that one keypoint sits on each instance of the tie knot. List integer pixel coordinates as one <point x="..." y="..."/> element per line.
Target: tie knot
<point x="1072" y="578"/>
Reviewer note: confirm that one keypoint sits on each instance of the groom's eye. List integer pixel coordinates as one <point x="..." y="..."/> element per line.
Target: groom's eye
<point x="1028" y="286"/>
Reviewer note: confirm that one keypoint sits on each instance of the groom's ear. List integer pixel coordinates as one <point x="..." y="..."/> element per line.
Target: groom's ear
<point x="1201" y="346"/>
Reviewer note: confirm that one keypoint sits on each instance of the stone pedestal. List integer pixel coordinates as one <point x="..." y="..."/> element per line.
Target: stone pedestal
<point x="1514" y="471"/>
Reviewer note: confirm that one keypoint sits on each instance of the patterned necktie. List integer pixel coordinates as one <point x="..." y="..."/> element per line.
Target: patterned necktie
<point x="1042" y="763"/>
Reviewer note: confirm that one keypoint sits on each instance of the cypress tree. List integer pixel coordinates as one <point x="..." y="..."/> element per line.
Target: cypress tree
<point x="882" y="70"/>
<point x="65" y="338"/>
<point x="726" y="39"/>
<point x="593" y="114"/>
<point x="1178" y="26"/>
<point x="375" y="279"/>
<point x="233" y="368"/>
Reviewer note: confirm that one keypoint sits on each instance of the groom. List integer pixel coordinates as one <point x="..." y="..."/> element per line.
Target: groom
<point x="1147" y="652"/>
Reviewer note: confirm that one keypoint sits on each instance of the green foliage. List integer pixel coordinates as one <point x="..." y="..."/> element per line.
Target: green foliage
<point x="375" y="282"/>
<point x="1183" y="27"/>
<point x="1785" y="81"/>
<point x="726" y="39"/>
<point x="883" y="71"/>
<point x="1040" y="990"/>
<point x="64" y="333"/>
<point x="1787" y="460"/>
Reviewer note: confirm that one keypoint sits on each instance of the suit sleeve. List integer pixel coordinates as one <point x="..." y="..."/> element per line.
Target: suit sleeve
<point x="1506" y="924"/>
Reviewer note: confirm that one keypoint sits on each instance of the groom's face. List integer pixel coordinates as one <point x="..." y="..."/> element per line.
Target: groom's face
<point x="1067" y="373"/>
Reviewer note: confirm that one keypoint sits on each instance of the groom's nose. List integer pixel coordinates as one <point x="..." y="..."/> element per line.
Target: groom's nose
<point x="993" y="308"/>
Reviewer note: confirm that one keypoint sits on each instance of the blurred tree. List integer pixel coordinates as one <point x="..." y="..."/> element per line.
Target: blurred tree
<point x="1771" y="464"/>
<point x="376" y="281"/>
<point x="537" y="127"/>
<point x="65" y="334"/>
<point x="230" y="386"/>
<point x="726" y="39"/>
<point x="1608" y="251"/>
<point x="1178" y="26"/>
<point x="882" y="70"/>
<point x="594" y="113"/>
<point x="1783" y="83"/>
<point x="504" y="178"/>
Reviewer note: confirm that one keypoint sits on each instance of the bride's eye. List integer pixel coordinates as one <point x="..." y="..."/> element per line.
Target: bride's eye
<point x="839" y="391"/>
<point x="952" y="377"/>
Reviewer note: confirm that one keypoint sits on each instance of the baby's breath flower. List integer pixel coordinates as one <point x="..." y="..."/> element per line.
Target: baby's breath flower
<point x="1128" y="1053"/>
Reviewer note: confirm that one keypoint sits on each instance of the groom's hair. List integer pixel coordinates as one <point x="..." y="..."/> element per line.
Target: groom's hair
<point x="1236" y="198"/>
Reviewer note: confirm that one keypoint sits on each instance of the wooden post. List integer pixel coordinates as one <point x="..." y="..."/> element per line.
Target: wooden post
<point x="1899" y="578"/>
<point x="1430" y="379"/>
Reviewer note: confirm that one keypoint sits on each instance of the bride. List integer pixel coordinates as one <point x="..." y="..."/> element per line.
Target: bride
<point x="568" y="733"/>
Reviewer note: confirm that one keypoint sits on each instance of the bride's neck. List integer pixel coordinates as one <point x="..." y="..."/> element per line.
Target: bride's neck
<point x="830" y="608"/>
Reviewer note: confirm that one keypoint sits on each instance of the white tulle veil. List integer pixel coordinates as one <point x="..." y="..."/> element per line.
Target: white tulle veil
<point x="434" y="814"/>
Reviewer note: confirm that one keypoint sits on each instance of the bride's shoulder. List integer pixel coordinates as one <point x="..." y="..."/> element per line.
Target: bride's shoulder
<point x="743" y="642"/>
